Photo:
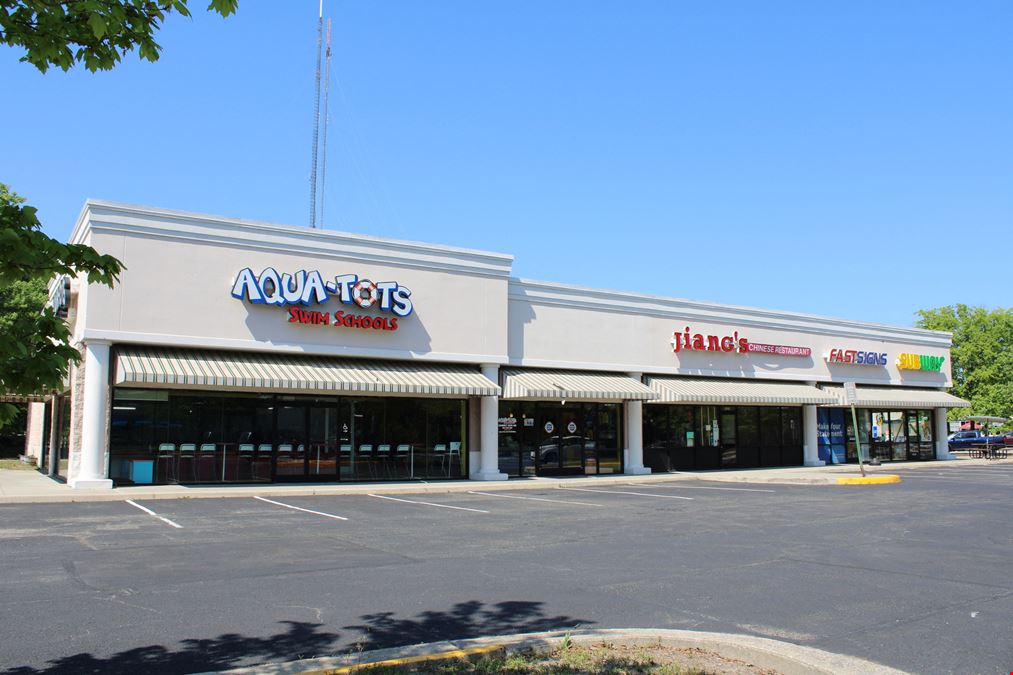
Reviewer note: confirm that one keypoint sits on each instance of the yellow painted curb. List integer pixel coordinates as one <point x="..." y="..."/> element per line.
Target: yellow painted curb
<point x="869" y="480"/>
<point x="441" y="656"/>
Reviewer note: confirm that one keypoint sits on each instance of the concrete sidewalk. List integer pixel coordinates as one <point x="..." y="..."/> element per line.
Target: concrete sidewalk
<point x="25" y="487"/>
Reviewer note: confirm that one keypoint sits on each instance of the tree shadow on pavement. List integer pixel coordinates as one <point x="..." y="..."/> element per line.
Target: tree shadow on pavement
<point x="301" y="640"/>
<point x="464" y="620"/>
<point x="307" y="640"/>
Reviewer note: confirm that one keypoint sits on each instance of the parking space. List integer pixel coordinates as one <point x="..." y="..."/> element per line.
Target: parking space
<point x="708" y="555"/>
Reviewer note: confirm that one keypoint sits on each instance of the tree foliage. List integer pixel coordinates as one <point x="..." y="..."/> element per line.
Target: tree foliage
<point x="982" y="355"/>
<point x="35" y="349"/>
<point x="97" y="33"/>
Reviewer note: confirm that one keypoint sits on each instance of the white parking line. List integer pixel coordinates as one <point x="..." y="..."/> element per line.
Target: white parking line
<point x="534" y="499"/>
<point x="620" y="492"/>
<point x="299" y="508"/>
<point x="702" y="487"/>
<point x="152" y="513"/>
<point x="442" y="506"/>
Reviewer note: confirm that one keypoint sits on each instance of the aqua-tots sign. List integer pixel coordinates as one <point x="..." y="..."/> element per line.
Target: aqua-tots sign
<point x="307" y="288"/>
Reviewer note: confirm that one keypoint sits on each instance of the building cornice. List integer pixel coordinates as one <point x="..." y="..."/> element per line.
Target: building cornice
<point x="204" y="342"/>
<point x="103" y="216"/>
<point x="639" y="304"/>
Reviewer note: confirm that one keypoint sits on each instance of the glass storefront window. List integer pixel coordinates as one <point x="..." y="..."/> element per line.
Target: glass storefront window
<point x="685" y="437"/>
<point x="164" y="437"/>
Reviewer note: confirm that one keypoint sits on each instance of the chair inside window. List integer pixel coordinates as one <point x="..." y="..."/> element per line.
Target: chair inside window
<point x="284" y="459"/>
<point x="402" y="456"/>
<point x="167" y="456"/>
<point x="440" y="453"/>
<point x="207" y="453"/>
<point x="244" y="462"/>
<point x="366" y="457"/>
<point x="262" y="462"/>
<point x="454" y="451"/>
<point x="383" y="455"/>
<point x="188" y="451"/>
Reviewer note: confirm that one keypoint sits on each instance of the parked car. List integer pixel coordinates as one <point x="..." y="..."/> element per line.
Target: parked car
<point x="963" y="440"/>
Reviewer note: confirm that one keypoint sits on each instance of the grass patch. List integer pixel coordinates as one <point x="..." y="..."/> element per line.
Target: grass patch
<point x="571" y="659"/>
<point x="15" y="464"/>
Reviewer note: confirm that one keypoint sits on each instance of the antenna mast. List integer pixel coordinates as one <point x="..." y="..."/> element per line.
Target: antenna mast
<point x="316" y="122"/>
<point x="323" y="145"/>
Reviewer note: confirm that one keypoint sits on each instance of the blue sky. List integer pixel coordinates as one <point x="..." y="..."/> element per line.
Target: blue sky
<point x="845" y="159"/>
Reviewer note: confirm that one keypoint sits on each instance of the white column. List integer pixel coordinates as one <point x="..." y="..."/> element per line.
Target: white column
<point x="811" y="448"/>
<point x="941" y="430"/>
<point x="634" y="418"/>
<point x="489" y="432"/>
<point x="810" y="437"/>
<point x="92" y="472"/>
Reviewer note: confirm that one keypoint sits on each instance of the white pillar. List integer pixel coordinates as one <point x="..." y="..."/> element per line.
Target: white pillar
<point x="811" y="448"/>
<point x="941" y="430"/>
<point x="810" y="436"/>
<point x="634" y="423"/>
<point x="489" y="432"/>
<point x="92" y="471"/>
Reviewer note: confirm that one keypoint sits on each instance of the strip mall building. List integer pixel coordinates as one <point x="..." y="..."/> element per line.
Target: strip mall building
<point x="239" y="352"/>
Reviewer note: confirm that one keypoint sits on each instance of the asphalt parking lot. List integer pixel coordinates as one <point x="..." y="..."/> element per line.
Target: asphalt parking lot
<point x="915" y="575"/>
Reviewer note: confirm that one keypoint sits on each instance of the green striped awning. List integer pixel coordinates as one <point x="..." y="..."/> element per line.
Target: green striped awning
<point x="250" y="371"/>
<point x="893" y="398"/>
<point x="557" y="385"/>
<point x="17" y="398"/>
<point x="755" y="392"/>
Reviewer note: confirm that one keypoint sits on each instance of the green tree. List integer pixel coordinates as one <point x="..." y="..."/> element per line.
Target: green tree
<point x="94" y="32"/>
<point x="982" y="355"/>
<point x="35" y="349"/>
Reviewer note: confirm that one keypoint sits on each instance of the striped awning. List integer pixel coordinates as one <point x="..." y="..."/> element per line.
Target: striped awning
<point x="243" y="371"/>
<point x="16" y="398"/>
<point x="756" y="392"/>
<point x="558" y="385"/>
<point x="890" y="399"/>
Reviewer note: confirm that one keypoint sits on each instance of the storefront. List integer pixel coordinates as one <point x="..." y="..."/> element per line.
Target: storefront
<point x="236" y="351"/>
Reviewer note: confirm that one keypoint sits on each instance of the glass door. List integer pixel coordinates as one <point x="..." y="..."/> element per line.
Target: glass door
<point x="322" y="450"/>
<point x="559" y="430"/>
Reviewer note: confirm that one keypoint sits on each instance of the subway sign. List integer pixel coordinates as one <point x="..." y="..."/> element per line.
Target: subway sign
<point x="920" y="362"/>
<point x="856" y="357"/>
<point x="306" y="288"/>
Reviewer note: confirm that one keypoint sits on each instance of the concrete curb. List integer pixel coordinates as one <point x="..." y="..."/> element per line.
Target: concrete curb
<point x="52" y="492"/>
<point x="784" y="657"/>
<point x="67" y="495"/>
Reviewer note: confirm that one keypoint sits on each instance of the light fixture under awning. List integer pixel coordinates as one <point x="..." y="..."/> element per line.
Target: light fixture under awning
<point x="563" y="385"/>
<point x="893" y="398"/>
<point x="754" y="392"/>
<point x="249" y="371"/>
